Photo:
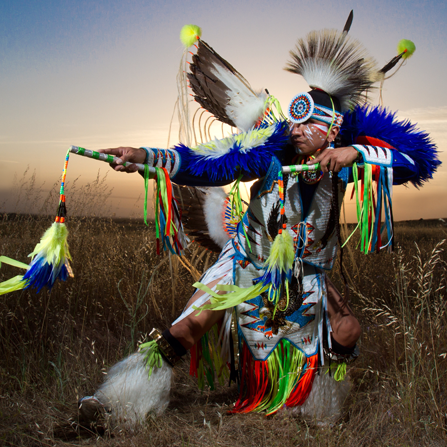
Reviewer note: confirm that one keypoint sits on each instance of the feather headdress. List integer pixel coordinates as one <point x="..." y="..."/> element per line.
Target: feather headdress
<point x="333" y="62"/>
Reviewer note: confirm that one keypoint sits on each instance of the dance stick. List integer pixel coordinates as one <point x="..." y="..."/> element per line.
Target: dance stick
<point x="111" y="159"/>
<point x="300" y="168"/>
<point x="105" y="157"/>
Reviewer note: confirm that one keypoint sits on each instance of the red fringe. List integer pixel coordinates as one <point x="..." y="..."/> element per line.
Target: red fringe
<point x="169" y="210"/>
<point x="254" y="382"/>
<point x="304" y="386"/>
<point x="195" y="356"/>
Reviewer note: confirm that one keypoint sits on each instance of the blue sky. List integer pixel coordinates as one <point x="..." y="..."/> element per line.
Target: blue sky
<point x="102" y="74"/>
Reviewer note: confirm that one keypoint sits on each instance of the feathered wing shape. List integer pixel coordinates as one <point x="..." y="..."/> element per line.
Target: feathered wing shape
<point x="219" y="88"/>
<point x="404" y="136"/>
<point x="333" y="62"/>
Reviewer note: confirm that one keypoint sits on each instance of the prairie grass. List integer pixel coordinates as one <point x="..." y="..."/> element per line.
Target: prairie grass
<point x="56" y="346"/>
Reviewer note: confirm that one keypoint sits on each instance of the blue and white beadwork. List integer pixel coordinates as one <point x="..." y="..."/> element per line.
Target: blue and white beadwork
<point x="301" y="108"/>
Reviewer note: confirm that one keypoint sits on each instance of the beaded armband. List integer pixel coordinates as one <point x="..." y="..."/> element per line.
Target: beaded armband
<point x="163" y="158"/>
<point x="376" y="155"/>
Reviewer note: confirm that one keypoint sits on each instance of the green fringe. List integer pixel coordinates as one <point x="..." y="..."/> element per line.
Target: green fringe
<point x="226" y="301"/>
<point x="364" y="207"/>
<point x="211" y="364"/>
<point x="285" y="367"/>
<point x="15" y="283"/>
<point x="152" y="356"/>
<point x="237" y="210"/>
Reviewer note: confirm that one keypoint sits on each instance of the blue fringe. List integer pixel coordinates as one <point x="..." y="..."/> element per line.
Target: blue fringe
<point x="254" y="162"/>
<point x="384" y="205"/>
<point x="379" y="123"/>
<point x="41" y="273"/>
<point x="276" y="280"/>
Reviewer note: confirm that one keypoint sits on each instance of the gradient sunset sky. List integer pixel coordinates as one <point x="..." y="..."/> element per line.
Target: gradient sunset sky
<point x="102" y="73"/>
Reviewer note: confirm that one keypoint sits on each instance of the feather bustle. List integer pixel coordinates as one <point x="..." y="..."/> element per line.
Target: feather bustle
<point x="192" y="201"/>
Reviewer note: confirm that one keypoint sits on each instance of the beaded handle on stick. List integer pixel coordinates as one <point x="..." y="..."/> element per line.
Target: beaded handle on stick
<point x="300" y="168"/>
<point x="61" y="210"/>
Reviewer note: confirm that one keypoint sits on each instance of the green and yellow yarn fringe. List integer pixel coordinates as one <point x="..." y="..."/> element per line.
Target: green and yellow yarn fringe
<point x="152" y="356"/>
<point x="284" y="378"/>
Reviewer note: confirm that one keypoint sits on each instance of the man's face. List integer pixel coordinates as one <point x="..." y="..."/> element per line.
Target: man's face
<point x="309" y="136"/>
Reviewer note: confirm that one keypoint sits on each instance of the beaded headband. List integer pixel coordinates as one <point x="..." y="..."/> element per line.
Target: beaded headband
<point x="302" y="107"/>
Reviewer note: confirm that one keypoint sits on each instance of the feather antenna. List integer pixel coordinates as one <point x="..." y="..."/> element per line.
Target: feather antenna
<point x="405" y="48"/>
<point x="391" y="64"/>
<point x="348" y="23"/>
<point x="189" y="34"/>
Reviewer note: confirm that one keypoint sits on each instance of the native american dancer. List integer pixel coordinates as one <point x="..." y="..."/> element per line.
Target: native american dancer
<point x="296" y="333"/>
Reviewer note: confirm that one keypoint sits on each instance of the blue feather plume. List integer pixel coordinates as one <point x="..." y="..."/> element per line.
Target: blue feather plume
<point x="42" y="273"/>
<point x="380" y="123"/>
<point x="253" y="162"/>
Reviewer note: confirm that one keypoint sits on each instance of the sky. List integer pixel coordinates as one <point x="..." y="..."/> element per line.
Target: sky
<point x="102" y="73"/>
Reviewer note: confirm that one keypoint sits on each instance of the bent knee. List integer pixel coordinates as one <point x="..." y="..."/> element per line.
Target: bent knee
<point x="191" y="329"/>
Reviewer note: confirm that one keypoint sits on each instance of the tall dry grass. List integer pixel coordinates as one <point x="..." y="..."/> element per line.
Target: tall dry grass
<point x="55" y="346"/>
<point x="399" y="382"/>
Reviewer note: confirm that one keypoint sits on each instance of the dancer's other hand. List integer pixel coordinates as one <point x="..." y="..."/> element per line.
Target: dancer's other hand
<point x="334" y="159"/>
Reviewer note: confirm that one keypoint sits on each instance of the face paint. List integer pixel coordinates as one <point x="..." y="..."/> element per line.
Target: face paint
<point x="313" y="134"/>
<point x="308" y="137"/>
<point x="323" y="128"/>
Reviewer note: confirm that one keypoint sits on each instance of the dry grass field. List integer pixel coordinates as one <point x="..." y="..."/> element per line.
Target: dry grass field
<point x="55" y="347"/>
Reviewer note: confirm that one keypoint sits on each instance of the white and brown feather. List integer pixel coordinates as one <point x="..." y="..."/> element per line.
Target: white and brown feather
<point x="202" y="215"/>
<point x="219" y="88"/>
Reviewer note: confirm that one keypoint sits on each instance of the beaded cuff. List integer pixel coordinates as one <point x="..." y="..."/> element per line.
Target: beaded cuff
<point x="163" y="158"/>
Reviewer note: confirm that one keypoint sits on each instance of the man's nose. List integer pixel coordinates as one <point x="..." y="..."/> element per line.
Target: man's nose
<point x="296" y="129"/>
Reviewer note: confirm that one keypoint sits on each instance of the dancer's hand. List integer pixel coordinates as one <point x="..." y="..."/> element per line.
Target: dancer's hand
<point x="334" y="159"/>
<point x="126" y="154"/>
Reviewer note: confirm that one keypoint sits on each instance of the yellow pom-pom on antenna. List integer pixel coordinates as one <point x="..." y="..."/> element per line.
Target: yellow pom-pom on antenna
<point x="189" y="35"/>
<point x="406" y="45"/>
